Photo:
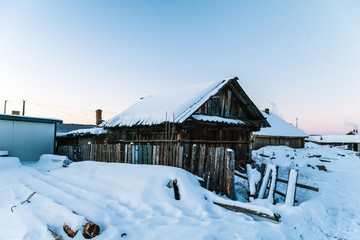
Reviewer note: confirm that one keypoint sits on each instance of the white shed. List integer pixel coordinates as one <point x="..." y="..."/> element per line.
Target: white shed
<point x="27" y="137"/>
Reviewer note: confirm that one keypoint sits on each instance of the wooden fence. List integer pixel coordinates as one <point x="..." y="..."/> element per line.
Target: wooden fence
<point x="216" y="165"/>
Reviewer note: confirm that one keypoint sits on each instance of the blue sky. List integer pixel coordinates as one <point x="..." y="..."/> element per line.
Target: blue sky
<point x="67" y="58"/>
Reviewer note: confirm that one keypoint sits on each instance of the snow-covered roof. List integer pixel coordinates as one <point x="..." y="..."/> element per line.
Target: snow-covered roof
<point x="175" y="105"/>
<point x="279" y="127"/>
<point x="336" y="138"/>
<point x="82" y="132"/>
<point x="206" y="118"/>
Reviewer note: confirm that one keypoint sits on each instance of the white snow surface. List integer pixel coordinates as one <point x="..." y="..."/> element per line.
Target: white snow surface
<point x="336" y="139"/>
<point x="279" y="127"/>
<point x="81" y="132"/>
<point x="9" y="162"/>
<point x="4" y="153"/>
<point x="206" y="118"/>
<point x="174" y="105"/>
<point x="135" y="199"/>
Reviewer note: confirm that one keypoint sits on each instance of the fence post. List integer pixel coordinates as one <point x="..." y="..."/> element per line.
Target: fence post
<point x="230" y="168"/>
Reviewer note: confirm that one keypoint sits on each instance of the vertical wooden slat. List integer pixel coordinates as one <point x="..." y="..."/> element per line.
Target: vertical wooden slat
<point x="150" y="154"/>
<point x="222" y="171"/>
<point x="154" y="151"/>
<point x="217" y="161"/>
<point x="202" y="156"/>
<point x="193" y="158"/>
<point x="212" y="169"/>
<point x="180" y="156"/>
<point x="186" y="157"/>
<point x="230" y="179"/>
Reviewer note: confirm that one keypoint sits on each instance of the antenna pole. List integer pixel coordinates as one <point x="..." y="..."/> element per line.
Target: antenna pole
<point x="23" y="107"/>
<point x="5" y="106"/>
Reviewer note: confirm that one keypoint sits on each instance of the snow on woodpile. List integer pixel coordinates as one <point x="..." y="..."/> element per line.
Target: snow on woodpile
<point x="174" y="105"/>
<point x="279" y="127"/>
<point x="336" y="139"/>
<point x="83" y="132"/>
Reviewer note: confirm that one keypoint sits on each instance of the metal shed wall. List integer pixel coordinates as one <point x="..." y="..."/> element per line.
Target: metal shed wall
<point x="27" y="140"/>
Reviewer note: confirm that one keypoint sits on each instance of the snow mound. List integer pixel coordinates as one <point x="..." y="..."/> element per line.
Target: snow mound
<point x="50" y="161"/>
<point x="9" y="162"/>
<point x="3" y="153"/>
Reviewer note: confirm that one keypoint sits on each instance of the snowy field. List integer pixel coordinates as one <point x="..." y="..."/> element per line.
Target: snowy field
<point x="135" y="202"/>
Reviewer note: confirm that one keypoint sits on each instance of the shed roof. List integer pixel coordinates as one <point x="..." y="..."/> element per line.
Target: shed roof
<point x="177" y="105"/>
<point x="279" y="127"/>
<point x="336" y="139"/>
<point x="83" y="132"/>
<point x="29" y="119"/>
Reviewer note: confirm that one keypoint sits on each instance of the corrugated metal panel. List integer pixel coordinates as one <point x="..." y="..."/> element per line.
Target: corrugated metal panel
<point x="27" y="140"/>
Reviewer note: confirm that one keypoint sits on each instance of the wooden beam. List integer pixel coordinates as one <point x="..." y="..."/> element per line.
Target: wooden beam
<point x="275" y="218"/>
<point x="315" y="189"/>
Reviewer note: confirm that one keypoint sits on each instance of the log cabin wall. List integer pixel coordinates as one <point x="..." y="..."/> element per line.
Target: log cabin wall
<point x="262" y="141"/>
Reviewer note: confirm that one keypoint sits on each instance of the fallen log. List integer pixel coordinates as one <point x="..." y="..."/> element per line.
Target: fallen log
<point x="315" y="189"/>
<point x="233" y="208"/>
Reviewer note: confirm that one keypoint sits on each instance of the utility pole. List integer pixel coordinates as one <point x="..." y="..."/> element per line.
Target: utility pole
<point x="297" y="122"/>
<point x="24" y="107"/>
<point x="5" y="106"/>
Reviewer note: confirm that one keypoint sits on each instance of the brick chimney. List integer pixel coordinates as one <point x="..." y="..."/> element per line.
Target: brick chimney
<point x="267" y="111"/>
<point x="15" y="113"/>
<point x="98" y="117"/>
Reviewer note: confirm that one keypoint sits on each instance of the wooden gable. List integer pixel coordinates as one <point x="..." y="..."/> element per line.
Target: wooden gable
<point x="231" y="102"/>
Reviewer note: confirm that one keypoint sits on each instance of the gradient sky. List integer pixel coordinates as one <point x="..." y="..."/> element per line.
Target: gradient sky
<point x="68" y="58"/>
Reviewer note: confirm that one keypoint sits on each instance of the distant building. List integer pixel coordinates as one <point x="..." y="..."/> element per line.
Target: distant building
<point x="27" y="137"/>
<point x="353" y="132"/>
<point x="281" y="133"/>
<point x="82" y="136"/>
<point x="352" y="142"/>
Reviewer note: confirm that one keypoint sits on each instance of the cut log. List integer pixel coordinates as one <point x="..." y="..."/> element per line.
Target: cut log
<point x="276" y="217"/>
<point x="71" y="233"/>
<point x="91" y="230"/>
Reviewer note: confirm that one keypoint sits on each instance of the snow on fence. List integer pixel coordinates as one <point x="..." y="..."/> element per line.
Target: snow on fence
<point x="215" y="165"/>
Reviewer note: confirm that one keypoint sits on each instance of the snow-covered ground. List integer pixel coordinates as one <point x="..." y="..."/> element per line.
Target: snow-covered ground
<point x="136" y="200"/>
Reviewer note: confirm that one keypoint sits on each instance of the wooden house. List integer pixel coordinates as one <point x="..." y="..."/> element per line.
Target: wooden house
<point x="281" y="133"/>
<point x="351" y="142"/>
<point x="217" y="113"/>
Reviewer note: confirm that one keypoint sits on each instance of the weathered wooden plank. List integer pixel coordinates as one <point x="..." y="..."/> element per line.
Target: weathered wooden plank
<point x="291" y="187"/>
<point x="202" y="157"/>
<point x="211" y="156"/>
<point x="221" y="170"/>
<point x="186" y="157"/>
<point x="230" y="169"/>
<point x="217" y="161"/>
<point x="181" y="156"/>
<point x="193" y="158"/>
<point x="276" y="217"/>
